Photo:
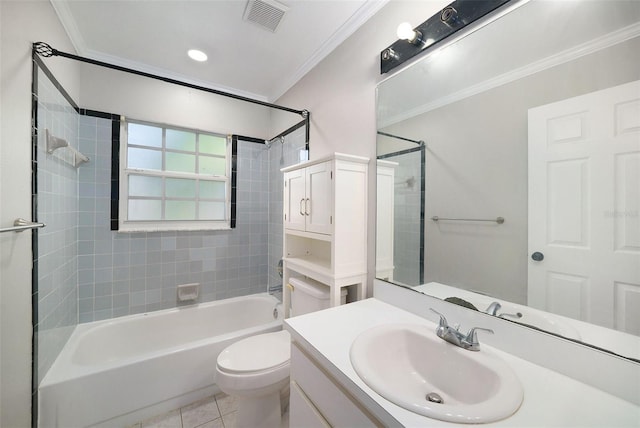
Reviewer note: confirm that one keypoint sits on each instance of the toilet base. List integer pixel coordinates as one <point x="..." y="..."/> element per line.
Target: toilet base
<point x="264" y="411"/>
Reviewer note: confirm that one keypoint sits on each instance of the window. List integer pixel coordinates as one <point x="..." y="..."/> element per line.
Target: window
<point x="173" y="178"/>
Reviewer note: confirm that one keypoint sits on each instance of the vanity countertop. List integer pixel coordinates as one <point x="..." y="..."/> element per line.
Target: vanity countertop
<point x="550" y="399"/>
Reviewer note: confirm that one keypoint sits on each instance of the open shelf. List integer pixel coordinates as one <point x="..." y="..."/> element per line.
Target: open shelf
<point x="309" y="235"/>
<point x="312" y="267"/>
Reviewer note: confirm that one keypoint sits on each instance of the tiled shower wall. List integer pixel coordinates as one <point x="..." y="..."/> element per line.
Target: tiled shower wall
<point x="127" y="273"/>
<point x="407" y="201"/>
<point x="57" y="207"/>
<point x="280" y="156"/>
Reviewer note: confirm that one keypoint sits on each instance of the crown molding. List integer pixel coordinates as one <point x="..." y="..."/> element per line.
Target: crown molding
<point x="562" y="57"/>
<point x="69" y="24"/>
<point x="362" y="15"/>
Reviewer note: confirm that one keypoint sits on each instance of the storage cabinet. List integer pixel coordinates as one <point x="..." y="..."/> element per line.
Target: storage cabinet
<point x="325" y="224"/>
<point x="308" y="201"/>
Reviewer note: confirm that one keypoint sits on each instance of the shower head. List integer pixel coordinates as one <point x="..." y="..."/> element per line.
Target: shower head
<point x="268" y="143"/>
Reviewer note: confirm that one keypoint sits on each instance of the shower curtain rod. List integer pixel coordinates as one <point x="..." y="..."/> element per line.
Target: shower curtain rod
<point x="418" y="142"/>
<point x="45" y="50"/>
<point x="304" y="122"/>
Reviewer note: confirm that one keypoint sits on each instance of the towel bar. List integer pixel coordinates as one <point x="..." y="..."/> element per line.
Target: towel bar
<point x="498" y="220"/>
<point x="21" y="224"/>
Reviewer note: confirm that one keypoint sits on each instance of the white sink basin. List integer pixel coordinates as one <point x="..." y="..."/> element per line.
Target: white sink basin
<point x="544" y="321"/>
<point x="405" y="362"/>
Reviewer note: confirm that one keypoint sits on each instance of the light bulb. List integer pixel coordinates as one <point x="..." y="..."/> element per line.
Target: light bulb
<point x="405" y="32"/>
<point x="197" y="55"/>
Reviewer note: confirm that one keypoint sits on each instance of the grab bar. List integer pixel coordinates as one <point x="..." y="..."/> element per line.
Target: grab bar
<point x="498" y="220"/>
<point x="21" y="224"/>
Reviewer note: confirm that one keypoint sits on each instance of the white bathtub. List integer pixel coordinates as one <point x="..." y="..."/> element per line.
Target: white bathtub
<point x="117" y="372"/>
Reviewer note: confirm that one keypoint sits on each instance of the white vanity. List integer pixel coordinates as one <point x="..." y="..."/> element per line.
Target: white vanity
<point x="327" y="391"/>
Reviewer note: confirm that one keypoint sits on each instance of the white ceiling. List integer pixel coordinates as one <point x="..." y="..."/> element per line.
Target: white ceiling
<point x="244" y="58"/>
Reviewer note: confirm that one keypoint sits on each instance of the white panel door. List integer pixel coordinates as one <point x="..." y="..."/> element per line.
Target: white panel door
<point x="319" y="201"/>
<point x="584" y="207"/>
<point x="294" y="200"/>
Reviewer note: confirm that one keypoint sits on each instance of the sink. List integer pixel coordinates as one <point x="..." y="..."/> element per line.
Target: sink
<point x="544" y="321"/>
<point x="413" y="368"/>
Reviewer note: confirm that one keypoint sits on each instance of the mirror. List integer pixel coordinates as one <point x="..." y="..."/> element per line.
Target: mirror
<point x="528" y="193"/>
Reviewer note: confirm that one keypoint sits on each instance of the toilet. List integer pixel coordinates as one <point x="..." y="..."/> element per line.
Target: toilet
<point x="256" y="369"/>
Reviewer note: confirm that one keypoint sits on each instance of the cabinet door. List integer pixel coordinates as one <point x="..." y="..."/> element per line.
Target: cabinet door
<point x="319" y="198"/>
<point x="302" y="412"/>
<point x="294" y="199"/>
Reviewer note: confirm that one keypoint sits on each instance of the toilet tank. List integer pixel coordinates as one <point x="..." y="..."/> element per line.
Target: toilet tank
<point x="309" y="295"/>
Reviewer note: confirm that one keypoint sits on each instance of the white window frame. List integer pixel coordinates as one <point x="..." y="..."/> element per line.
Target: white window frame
<point x="126" y="225"/>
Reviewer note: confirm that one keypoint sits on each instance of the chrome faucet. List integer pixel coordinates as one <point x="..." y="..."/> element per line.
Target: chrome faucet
<point x="453" y="336"/>
<point x="495" y="307"/>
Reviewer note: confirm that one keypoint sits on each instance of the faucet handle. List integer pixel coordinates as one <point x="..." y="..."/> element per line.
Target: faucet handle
<point x="443" y="321"/>
<point x="472" y="337"/>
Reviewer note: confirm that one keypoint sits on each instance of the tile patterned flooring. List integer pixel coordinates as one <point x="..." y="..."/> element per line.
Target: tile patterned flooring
<point x="212" y="412"/>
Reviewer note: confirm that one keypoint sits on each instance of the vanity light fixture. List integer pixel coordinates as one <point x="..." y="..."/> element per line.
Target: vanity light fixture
<point x="406" y="32"/>
<point x="197" y="55"/>
<point x="452" y="18"/>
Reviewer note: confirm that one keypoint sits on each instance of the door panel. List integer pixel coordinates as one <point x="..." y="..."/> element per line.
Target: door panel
<point x="584" y="209"/>
<point x="568" y="197"/>
<point x="625" y="215"/>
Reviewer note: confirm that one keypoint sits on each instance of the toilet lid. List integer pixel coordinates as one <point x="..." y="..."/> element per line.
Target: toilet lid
<point x="255" y="353"/>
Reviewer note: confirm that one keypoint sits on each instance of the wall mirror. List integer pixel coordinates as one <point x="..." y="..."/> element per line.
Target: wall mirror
<point x="509" y="170"/>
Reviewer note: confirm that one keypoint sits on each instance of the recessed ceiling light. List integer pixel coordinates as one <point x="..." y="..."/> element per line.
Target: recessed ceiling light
<point x="197" y="55"/>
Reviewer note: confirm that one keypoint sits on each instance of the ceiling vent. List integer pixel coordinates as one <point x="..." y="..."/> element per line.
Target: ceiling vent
<point x="266" y="13"/>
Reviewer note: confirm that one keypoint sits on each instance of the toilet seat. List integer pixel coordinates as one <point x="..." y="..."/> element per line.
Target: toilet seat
<point x="255" y="354"/>
<point x="255" y="365"/>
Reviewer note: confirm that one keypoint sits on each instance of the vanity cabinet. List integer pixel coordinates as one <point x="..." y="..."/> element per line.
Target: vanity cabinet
<point x="317" y="400"/>
<point x="325" y="225"/>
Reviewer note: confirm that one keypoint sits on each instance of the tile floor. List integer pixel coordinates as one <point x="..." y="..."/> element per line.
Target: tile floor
<point x="212" y="412"/>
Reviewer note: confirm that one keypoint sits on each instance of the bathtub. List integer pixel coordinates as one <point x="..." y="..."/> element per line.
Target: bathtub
<point x="120" y="371"/>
